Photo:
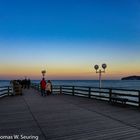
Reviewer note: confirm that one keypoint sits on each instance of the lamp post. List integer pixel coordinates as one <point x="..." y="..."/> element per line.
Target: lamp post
<point x="104" y="66"/>
<point x="43" y="73"/>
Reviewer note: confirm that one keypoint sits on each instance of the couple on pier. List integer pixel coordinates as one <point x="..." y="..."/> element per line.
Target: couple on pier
<point x="46" y="87"/>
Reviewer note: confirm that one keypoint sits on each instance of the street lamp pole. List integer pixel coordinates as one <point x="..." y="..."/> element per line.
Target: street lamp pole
<point x="43" y="73"/>
<point x="104" y="66"/>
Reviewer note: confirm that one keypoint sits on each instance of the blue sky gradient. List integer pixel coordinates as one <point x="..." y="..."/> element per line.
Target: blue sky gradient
<point x="81" y="33"/>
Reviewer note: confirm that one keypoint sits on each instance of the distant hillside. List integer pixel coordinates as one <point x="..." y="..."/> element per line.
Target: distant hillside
<point x="131" y="78"/>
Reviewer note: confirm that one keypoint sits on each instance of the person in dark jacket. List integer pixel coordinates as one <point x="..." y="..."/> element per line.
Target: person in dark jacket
<point x="28" y="83"/>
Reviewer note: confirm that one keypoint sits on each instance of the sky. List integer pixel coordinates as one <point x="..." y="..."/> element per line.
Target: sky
<point x="68" y="37"/>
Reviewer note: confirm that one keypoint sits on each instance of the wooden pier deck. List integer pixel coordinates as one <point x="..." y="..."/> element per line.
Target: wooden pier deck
<point x="64" y="117"/>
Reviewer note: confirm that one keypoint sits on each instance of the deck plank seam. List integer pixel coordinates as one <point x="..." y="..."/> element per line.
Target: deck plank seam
<point x="127" y="124"/>
<point x="35" y="119"/>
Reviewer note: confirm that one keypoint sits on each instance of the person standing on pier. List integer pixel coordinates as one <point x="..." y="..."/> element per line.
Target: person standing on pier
<point x="28" y="83"/>
<point x="49" y="87"/>
<point x="43" y="86"/>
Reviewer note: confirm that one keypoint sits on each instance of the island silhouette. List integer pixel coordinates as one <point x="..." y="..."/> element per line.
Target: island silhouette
<point x="134" y="77"/>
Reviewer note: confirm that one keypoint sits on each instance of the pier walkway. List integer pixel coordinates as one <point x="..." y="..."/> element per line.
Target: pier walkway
<point x="64" y="117"/>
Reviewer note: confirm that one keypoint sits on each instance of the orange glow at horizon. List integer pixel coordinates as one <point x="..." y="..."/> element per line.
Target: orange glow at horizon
<point x="63" y="60"/>
<point x="66" y="72"/>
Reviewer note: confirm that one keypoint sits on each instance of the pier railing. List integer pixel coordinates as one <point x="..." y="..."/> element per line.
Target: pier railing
<point x="106" y="94"/>
<point x="5" y="91"/>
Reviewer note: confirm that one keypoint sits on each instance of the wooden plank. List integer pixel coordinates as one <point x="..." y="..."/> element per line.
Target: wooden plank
<point x="67" y="118"/>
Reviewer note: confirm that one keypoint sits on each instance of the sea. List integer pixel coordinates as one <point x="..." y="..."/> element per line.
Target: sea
<point x="123" y="84"/>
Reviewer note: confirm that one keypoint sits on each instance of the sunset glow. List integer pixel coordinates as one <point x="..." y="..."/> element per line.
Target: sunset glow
<point x="67" y="38"/>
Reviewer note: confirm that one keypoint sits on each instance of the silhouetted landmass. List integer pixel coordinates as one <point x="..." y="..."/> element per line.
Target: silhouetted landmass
<point x="131" y="78"/>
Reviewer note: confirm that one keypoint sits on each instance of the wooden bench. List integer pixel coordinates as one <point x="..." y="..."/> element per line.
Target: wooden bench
<point x="17" y="90"/>
<point x="118" y="100"/>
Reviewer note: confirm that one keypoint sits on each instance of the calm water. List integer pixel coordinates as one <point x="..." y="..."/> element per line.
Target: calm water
<point x="128" y="84"/>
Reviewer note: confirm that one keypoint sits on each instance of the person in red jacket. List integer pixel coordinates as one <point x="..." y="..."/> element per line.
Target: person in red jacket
<point x="43" y="86"/>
